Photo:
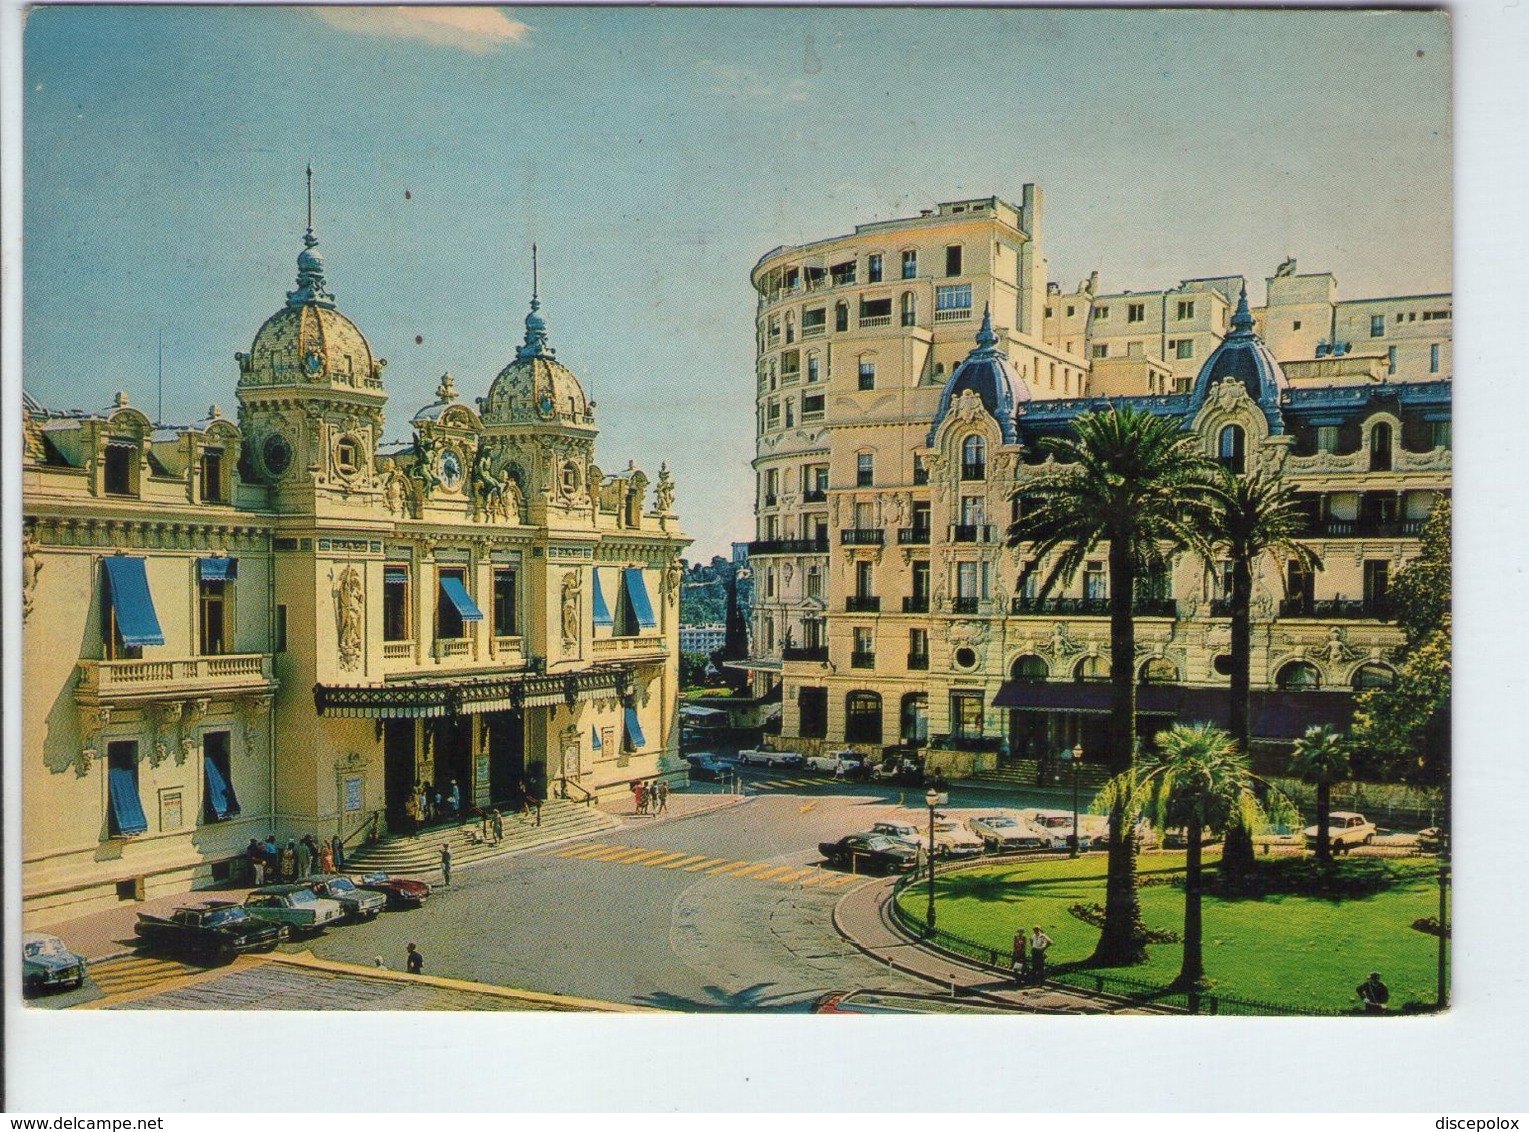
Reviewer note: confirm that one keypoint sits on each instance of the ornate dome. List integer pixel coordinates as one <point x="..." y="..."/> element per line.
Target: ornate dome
<point x="309" y="341"/>
<point x="1243" y="356"/>
<point x="536" y="388"/>
<point x="988" y="372"/>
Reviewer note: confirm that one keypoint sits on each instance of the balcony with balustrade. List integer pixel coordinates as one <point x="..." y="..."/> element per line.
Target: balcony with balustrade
<point x="817" y="653"/>
<point x="913" y="536"/>
<point x="1337" y="609"/>
<point x="862" y="660"/>
<point x="971" y="532"/>
<point x="862" y="603"/>
<point x="124" y="681"/>
<point x="1091" y="606"/>
<point x="917" y="603"/>
<point x="861" y="536"/>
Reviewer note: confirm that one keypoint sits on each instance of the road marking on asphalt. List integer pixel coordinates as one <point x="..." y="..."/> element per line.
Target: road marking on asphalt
<point x="583" y="850"/>
<point x="647" y="857"/>
<point x="748" y="870"/>
<point x="132" y="977"/>
<point x="658" y="862"/>
<point x="705" y="863"/>
<point x="795" y="875"/>
<point x="774" y="873"/>
<point x="838" y="880"/>
<point x="612" y="854"/>
<point x="805" y="806"/>
<point x="728" y="867"/>
<point x="690" y="860"/>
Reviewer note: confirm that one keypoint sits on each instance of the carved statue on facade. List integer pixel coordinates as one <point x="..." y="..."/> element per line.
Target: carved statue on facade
<point x="663" y="494"/>
<point x="424" y="465"/>
<point x="671" y="580"/>
<point x="512" y="503"/>
<point x="1061" y="644"/>
<point x="349" y="611"/>
<point x="571" y="589"/>
<point x="394" y="489"/>
<point x="1335" y="650"/>
<point x="31" y="566"/>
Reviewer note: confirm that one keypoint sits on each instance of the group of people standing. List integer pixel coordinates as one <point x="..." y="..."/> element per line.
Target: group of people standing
<point x="300" y="857"/>
<point x="427" y="804"/>
<point x="651" y="797"/>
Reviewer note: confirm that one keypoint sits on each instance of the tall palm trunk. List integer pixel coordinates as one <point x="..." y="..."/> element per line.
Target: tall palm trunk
<point x="1192" y="969"/>
<point x="1237" y="851"/>
<point x="1123" y="938"/>
<point x="1324" y="818"/>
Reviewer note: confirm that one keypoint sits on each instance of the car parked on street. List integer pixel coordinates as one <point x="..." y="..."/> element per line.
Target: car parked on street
<point x="953" y="839"/>
<point x="1431" y="839"/>
<point x="213" y="931"/>
<point x="706" y="766"/>
<point x="1004" y="833"/>
<point x="1345" y="829"/>
<point x="294" y="905"/>
<point x="46" y="964"/>
<point x="758" y="756"/>
<point x="1056" y="827"/>
<point x="401" y="892"/>
<point x="359" y="904"/>
<point x="867" y="852"/>
<point x="845" y="764"/>
<point x="1178" y="838"/>
<point x="902" y="832"/>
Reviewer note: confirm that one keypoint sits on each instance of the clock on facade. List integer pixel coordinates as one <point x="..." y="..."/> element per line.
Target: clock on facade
<point x="451" y="469"/>
<point x="276" y="454"/>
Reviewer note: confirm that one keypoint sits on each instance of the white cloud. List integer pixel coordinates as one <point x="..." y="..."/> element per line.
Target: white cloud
<point x="477" y="30"/>
<point x="729" y="81"/>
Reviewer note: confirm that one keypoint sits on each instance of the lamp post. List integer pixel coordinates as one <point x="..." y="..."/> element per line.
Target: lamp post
<point x="931" y="799"/>
<point x="1073" y="758"/>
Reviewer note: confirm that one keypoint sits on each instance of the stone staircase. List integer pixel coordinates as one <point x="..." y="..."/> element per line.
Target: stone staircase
<point x="1019" y="774"/>
<point x="421" y="856"/>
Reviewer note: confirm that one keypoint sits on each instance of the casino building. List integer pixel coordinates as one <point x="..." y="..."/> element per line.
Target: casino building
<point x="906" y="374"/>
<point x="278" y="623"/>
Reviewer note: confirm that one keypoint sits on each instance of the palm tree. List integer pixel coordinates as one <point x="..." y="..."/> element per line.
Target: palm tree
<point x="1321" y="757"/>
<point x="1141" y="485"/>
<point x="1195" y="777"/>
<point x="1256" y="516"/>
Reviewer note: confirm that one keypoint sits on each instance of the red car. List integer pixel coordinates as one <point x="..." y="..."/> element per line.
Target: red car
<point x="402" y="892"/>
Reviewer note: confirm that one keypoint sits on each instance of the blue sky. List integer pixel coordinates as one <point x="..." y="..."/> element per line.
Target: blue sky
<point x="654" y="155"/>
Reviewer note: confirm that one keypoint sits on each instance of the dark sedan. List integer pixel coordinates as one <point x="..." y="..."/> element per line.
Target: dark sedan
<point x="869" y="852"/>
<point x="402" y="892"/>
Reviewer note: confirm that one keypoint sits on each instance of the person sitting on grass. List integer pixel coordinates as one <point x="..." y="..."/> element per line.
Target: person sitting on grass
<point x="1373" y="993"/>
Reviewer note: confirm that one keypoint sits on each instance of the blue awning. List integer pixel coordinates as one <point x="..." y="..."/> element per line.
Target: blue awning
<point x="128" y="591"/>
<point x="220" y="791"/>
<point x="457" y="594"/>
<point x="594" y="738"/>
<point x="218" y="569"/>
<point x="637" y="595"/>
<point x="126" y="809"/>
<point x="395" y="575"/>
<point x="633" y="739"/>
<point x="602" y="611"/>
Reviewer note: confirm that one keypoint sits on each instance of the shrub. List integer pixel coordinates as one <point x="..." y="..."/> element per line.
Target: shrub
<point x="1306" y="876"/>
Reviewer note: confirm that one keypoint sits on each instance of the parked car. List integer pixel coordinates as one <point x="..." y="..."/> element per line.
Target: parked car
<point x="758" y="756"/>
<point x="359" y="904"/>
<point x="845" y="762"/>
<point x="401" y="892"/>
<point x="953" y="839"/>
<point x="869" y="852"/>
<point x="902" y="832"/>
<point x="214" y="930"/>
<point x="1178" y="838"/>
<point x="1345" y="829"/>
<point x="294" y="905"/>
<point x="1431" y="839"/>
<point x="46" y="964"/>
<point x="706" y="767"/>
<point x="1002" y="833"/>
<point x="1056" y="827"/>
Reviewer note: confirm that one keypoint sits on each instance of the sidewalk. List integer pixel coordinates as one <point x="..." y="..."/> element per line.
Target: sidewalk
<point x="681" y="804"/>
<point x="863" y="919"/>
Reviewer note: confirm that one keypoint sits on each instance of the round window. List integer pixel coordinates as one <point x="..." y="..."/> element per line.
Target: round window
<point x="1223" y="663"/>
<point x="966" y="658"/>
<point x="276" y="453"/>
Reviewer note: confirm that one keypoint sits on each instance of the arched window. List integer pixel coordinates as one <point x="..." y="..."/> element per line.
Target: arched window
<point x="1380" y="448"/>
<point x="973" y="458"/>
<point x="1029" y="669"/>
<point x="1091" y="668"/>
<point x="914" y="726"/>
<point x="1368" y="676"/>
<point x="790" y="328"/>
<point x="841" y="316"/>
<point x="1298" y="676"/>
<point x="862" y="717"/>
<point x="1159" y="670"/>
<point x="909" y="309"/>
<point x="1230" y="449"/>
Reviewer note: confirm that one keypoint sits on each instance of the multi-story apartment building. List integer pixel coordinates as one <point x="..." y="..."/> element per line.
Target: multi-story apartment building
<point x="885" y="597"/>
<point x="280" y="625"/>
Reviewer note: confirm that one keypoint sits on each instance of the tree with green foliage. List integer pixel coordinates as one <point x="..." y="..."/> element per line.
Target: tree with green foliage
<point x="1194" y="777"/>
<point x="1321" y="757"/>
<point x="1257" y="516"/>
<point x="1139" y="485"/>
<point x="1402" y="733"/>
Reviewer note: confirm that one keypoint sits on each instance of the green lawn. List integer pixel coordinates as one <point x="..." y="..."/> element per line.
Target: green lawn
<point x="1296" y="950"/>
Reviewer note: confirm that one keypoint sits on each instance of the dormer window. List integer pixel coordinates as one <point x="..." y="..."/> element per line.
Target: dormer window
<point x="1230" y="452"/>
<point x="120" y="461"/>
<point x="212" y="487"/>
<point x="347" y="457"/>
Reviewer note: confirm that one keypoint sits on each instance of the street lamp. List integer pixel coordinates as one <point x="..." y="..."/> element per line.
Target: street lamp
<point x="931" y="799"/>
<point x="1073" y="758"/>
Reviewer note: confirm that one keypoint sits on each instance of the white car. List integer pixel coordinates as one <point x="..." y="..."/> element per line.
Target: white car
<point x="901" y="831"/>
<point x="1056" y="827"/>
<point x="953" y="839"/>
<point x="761" y="757"/>
<point x="1001" y="833"/>
<point x="1345" y="829"/>
<point x="834" y="762"/>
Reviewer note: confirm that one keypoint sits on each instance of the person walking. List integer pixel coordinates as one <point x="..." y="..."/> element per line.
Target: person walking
<point x="1374" y="994"/>
<point x="446" y="863"/>
<point x="289" y="862"/>
<point x="642" y="797"/>
<point x="496" y="825"/>
<point x="337" y="852"/>
<point x="1019" y="954"/>
<point x="326" y="857"/>
<point x="272" y="856"/>
<point x="413" y="817"/>
<point x="305" y="855"/>
<point x="435" y="804"/>
<point x="661" y="793"/>
<point x="454" y="799"/>
<point x="1039" y="941"/>
<point x="255" y="854"/>
<point x="414" y="960"/>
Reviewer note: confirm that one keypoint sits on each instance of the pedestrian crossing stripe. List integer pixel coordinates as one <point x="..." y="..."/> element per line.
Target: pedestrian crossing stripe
<point x="130" y="972"/>
<point x="808" y="875"/>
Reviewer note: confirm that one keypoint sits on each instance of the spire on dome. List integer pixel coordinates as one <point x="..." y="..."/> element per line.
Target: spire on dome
<point x="1242" y="320"/>
<point x="986" y="339"/>
<point x="311" y="287"/>
<point x="535" y="345"/>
